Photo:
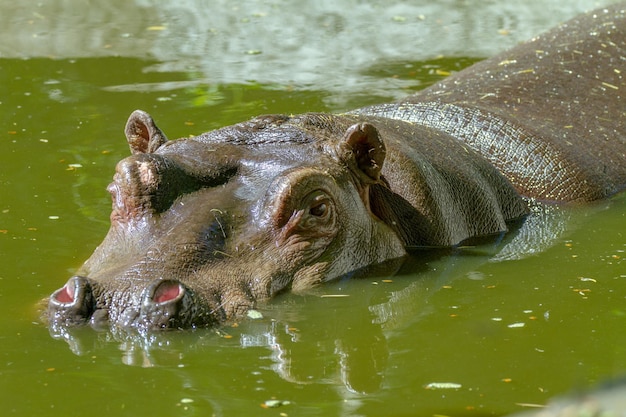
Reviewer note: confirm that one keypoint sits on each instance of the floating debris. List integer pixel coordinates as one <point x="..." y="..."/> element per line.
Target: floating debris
<point x="274" y="403"/>
<point x="254" y="314"/>
<point x="530" y="405"/>
<point x="516" y="325"/>
<point x="476" y="275"/>
<point x="443" y="385"/>
<point x="614" y="87"/>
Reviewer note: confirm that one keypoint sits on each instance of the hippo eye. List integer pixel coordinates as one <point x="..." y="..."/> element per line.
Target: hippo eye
<point x="319" y="210"/>
<point x="319" y="205"/>
<point x="301" y="201"/>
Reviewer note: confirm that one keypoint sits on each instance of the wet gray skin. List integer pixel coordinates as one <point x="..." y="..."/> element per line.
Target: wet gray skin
<point x="204" y="228"/>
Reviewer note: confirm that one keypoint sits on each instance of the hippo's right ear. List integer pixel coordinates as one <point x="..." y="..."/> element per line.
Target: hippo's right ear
<point x="366" y="150"/>
<point x="142" y="133"/>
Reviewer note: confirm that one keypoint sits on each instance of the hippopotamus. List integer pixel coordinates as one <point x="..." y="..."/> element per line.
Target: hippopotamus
<point x="205" y="228"/>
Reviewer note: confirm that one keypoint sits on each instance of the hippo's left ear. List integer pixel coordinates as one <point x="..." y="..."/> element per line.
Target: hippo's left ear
<point x="367" y="150"/>
<point x="142" y="133"/>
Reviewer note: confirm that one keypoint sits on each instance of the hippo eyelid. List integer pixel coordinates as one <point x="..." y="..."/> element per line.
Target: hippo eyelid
<point x="296" y="192"/>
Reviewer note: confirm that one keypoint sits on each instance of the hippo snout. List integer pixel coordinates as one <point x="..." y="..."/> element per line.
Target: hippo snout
<point x="163" y="304"/>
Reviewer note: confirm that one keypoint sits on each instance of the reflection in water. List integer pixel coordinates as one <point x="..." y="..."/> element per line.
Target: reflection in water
<point x="350" y="351"/>
<point x="545" y="225"/>
<point x="328" y="336"/>
<point x="327" y="46"/>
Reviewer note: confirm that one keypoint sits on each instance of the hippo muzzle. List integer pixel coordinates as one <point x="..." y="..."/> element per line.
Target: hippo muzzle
<point x="162" y="304"/>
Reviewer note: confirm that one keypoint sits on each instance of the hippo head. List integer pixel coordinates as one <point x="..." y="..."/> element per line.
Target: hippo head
<point x="202" y="228"/>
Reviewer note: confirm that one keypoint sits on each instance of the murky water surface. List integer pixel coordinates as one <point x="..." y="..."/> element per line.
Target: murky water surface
<point x="451" y="334"/>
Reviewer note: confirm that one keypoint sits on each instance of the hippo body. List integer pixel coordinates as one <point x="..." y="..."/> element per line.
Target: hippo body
<point x="203" y="228"/>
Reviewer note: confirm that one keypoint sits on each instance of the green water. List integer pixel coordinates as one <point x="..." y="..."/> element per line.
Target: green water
<point x="506" y="333"/>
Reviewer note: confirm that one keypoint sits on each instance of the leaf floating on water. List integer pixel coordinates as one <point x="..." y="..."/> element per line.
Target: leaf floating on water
<point x="443" y="385"/>
<point x="274" y="403"/>
<point x="254" y="314"/>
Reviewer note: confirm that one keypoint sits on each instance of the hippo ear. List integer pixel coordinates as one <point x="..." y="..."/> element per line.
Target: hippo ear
<point x="142" y="133"/>
<point x="367" y="148"/>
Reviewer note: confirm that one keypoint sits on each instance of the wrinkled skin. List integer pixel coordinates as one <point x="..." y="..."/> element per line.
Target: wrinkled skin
<point x="203" y="228"/>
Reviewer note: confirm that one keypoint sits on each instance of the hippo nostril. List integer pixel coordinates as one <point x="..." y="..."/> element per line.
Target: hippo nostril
<point x="65" y="295"/>
<point x="167" y="291"/>
<point x="73" y="303"/>
<point x="76" y="290"/>
<point x="166" y="304"/>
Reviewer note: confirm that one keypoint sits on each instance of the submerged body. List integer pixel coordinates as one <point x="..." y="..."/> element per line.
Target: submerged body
<point x="203" y="228"/>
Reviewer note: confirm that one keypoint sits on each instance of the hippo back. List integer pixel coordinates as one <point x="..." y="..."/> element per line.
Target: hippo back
<point x="549" y="114"/>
